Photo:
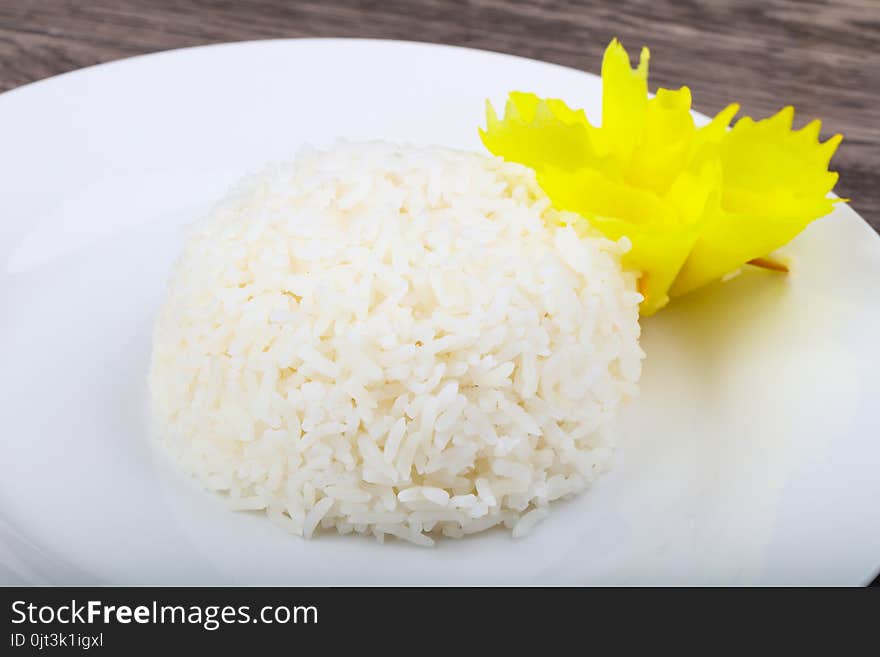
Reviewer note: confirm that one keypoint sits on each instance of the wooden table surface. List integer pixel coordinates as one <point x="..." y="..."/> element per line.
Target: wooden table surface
<point x="821" y="56"/>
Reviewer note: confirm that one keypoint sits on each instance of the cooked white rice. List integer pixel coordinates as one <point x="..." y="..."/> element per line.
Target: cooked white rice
<point x="396" y="341"/>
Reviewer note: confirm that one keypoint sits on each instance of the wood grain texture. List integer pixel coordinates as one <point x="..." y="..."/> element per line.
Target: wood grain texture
<point x="821" y="56"/>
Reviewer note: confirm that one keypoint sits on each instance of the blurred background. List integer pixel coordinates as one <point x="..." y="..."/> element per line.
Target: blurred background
<point x="822" y="56"/>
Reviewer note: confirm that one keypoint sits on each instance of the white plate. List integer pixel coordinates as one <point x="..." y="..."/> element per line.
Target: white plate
<point x="752" y="455"/>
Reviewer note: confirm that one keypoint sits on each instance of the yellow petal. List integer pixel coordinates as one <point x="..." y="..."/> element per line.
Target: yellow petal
<point x="624" y="101"/>
<point x="775" y="182"/>
<point x="707" y="140"/>
<point x="538" y="132"/>
<point x="667" y="138"/>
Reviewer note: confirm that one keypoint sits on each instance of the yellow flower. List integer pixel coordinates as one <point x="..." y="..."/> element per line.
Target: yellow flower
<point x="696" y="203"/>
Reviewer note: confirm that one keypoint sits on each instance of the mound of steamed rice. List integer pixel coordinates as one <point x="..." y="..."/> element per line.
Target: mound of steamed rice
<point x="394" y="341"/>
